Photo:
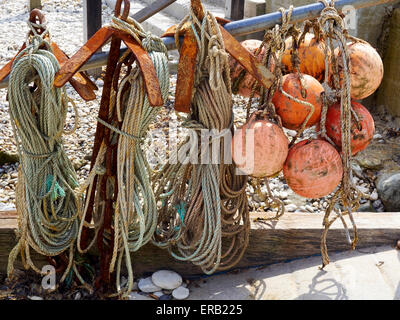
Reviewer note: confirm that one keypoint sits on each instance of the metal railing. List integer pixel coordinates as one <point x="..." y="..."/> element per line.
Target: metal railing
<point x="250" y="25"/>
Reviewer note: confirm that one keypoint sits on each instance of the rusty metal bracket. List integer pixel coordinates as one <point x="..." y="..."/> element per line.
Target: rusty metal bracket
<point x="108" y="190"/>
<point x="186" y="71"/>
<point x="188" y="56"/>
<point x="80" y="82"/>
<point x="99" y="39"/>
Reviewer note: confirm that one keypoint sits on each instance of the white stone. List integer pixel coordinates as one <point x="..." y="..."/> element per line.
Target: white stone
<point x="374" y="195"/>
<point x="302" y="209"/>
<point x="283" y="194"/>
<point x="291" y="207"/>
<point x="147" y="285"/>
<point x="363" y="189"/>
<point x="291" y="133"/>
<point x="309" y="208"/>
<point x="166" y="279"/>
<point x="180" y="293"/>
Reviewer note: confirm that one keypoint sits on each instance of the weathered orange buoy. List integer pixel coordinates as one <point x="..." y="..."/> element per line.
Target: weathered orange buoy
<point x="292" y="113"/>
<point x="360" y="139"/>
<point x="311" y="54"/>
<point x="366" y="69"/>
<point x="313" y="168"/>
<point x="259" y="148"/>
<point x="242" y="81"/>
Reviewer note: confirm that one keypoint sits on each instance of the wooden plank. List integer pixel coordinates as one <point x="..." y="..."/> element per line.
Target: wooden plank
<point x="295" y="235"/>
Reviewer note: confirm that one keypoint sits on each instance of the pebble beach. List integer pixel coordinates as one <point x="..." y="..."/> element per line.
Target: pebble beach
<point x="65" y="19"/>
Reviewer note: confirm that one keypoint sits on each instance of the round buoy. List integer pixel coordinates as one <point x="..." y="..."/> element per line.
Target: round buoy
<point x="242" y="81"/>
<point x="259" y="148"/>
<point x="366" y="69"/>
<point x="292" y="113"/>
<point x="311" y="53"/>
<point x="360" y="139"/>
<point x="313" y="168"/>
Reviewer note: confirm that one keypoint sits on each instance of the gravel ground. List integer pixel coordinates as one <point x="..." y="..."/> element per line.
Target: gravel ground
<point x="65" y="19"/>
<point x="65" y="23"/>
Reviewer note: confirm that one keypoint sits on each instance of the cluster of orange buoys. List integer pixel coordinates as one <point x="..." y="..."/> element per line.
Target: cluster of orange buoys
<point x="312" y="168"/>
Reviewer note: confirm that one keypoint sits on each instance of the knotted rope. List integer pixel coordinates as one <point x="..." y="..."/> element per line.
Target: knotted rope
<point x="274" y="45"/>
<point x="203" y="215"/>
<point x="46" y="201"/>
<point x="346" y="198"/>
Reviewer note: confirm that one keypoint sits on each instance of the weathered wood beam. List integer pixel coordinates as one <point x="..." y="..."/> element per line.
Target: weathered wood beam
<point x="295" y="235"/>
<point x="234" y="9"/>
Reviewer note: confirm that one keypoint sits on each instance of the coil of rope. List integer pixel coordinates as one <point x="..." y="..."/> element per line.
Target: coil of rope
<point x="203" y="216"/>
<point x="47" y="204"/>
<point x="135" y="217"/>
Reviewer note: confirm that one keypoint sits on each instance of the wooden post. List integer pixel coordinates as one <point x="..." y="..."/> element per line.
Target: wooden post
<point x="34" y="4"/>
<point x="234" y="9"/>
<point x="91" y="24"/>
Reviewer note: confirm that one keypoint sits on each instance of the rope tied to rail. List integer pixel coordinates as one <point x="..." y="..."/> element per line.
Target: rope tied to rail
<point x="47" y="204"/>
<point x="203" y="205"/>
<point x="274" y="45"/>
<point x="346" y="198"/>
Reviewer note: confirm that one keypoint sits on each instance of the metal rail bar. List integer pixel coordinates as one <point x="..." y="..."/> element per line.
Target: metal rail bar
<point x="250" y="25"/>
<point x="152" y="9"/>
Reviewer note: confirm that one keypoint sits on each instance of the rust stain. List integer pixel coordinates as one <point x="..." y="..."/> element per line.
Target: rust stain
<point x="80" y="81"/>
<point x="68" y="70"/>
<point x="147" y="68"/>
<point x="197" y="8"/>
<point x="186" y="71"/>
<point x="5" y="71"/>
<point x="247" y="60"/>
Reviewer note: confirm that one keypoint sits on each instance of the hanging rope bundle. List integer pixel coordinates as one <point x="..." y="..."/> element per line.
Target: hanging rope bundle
<point x="46" y="201"/>
<point x="203" y="214"/>
<point x="135" y="217"/>
<point x="136" y="212"/>
<point x="346" y="198"/>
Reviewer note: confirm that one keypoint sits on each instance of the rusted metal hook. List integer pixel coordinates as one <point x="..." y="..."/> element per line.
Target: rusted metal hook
<point x="36" y="16"/>
<point x="117" y="10"/>
<point x="197" y="8"/>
